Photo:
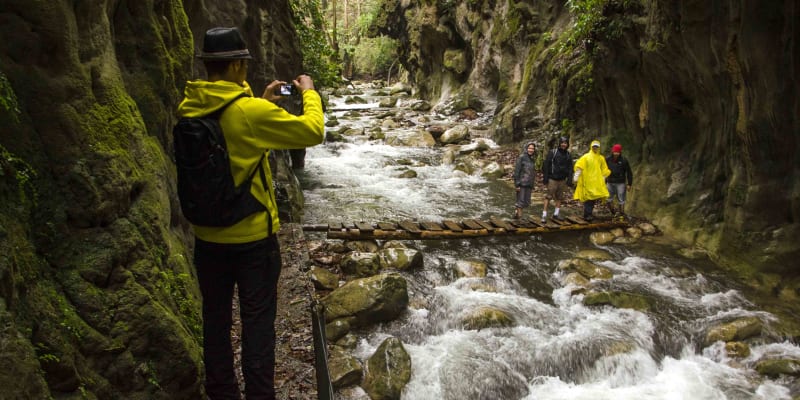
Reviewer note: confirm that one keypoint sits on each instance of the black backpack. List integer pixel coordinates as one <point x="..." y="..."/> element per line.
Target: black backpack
<point x="206" y="189"/>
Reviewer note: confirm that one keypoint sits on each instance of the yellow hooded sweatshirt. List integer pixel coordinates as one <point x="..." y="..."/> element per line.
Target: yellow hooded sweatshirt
<point x="252" y="126"/>
<point x="591" y="184"/>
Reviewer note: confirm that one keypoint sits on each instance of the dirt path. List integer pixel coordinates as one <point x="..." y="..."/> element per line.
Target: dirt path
<point x="294" y="351"/>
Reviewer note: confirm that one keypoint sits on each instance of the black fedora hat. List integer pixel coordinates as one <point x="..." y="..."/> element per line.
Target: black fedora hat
<point x="224" y="44"/>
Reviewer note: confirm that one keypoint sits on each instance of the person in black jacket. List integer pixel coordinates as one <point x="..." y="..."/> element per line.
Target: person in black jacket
<point x="557" y="170"/>
<point x="620" y="180"/>
<point x="524" y="175"/>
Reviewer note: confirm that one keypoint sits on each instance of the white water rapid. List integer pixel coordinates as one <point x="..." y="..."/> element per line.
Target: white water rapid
<point x="558" y="348"/>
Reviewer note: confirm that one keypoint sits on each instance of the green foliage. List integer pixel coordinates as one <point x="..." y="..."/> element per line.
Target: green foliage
<point x="374" y="56"/>
<point x="592" y="23"/>
<point x="176" y="286"/>
<point x="8" y="99"/>
<point x="319" y="59"/>
<point x="23" y="174"/>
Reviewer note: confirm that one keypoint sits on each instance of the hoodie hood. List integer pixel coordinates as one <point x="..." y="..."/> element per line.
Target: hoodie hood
<point x="525" y="147"/>
<point x="203" y="97"/>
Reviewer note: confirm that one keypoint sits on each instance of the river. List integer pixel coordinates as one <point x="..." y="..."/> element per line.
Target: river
<point x="558" y="347"/>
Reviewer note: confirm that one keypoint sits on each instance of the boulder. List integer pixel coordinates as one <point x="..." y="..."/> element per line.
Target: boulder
<point x="738" y="329"/>
<point x="337" y="329"/>
<point x="388" y="102"/>
<point x="634" y="232"/>
<point x="774" y="368"/>
<point x="400" y="87"/>
<point x="493" y="170"/>
<point x="407" y="174"/>
<point x="586" y="268"/>
<point x="601" y="238"/>
<point x="388" y="371"/>
<point x="625" y="240"/>
<point x="344" y="369"/>
<point x="399" y="259"/>
<point x="471" y="269"/>
<point x="348" y="341"/>
<point x="379" y="298"/>
<point x="647" y="228"/>
<point x="737" y="349"/>
<point x="594" y="254"/>
<point x="360" y="264"/>
<point x="455" y="134"/>
<point x="324" y="279"/>
<point x="486" y="317"/>
<point x="576" y="279"/>
<point x="365" y="246"/>
<point x="414" y="138"/>
<point x="618" y="299"/>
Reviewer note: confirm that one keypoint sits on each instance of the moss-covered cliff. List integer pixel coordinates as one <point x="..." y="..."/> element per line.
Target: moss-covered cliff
<point x="702" y="95"/>
<point x="97" y="295"/>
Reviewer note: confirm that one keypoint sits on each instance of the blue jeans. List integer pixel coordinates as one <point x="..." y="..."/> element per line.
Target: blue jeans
<point x="254" y="268"/>
<point x="618" y="190"/>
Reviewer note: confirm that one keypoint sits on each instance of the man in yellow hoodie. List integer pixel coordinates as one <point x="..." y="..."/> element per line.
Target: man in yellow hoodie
<point x="245" y="254"/>
<point x="590" y="173"/>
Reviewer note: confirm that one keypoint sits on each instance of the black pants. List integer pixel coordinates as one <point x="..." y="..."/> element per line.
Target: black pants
<point x="588" y="209"/>
<point x="254" y="268"/>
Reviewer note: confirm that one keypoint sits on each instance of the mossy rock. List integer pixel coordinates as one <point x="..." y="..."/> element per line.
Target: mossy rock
<point x="400" y="259"/>
<point x="595" y="254"/>
<point x="471" y="269"/>
<point x="324" y="279"/>
<point x="345" y="370"/>
<point x="388" y="371"/>
<point x="370" y="300"/>
<point x="737" y="349"/>
<point x="586" y="268"/>
<point x="774" y="368"/>
<point x="487" y="317"/>
<point x="738" y="329"/>
<point x="360" y="264"/>
<point x="631" y="301"/>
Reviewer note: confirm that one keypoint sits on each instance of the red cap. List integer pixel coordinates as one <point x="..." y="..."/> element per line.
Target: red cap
<point x="617" y="148"/>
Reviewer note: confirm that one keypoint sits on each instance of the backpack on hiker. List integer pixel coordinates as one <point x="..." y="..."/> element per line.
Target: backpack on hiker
<point x="206" y="189"/>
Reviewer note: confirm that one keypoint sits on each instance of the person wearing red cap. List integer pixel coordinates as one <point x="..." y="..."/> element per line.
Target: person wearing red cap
<point x="620" y="180"/>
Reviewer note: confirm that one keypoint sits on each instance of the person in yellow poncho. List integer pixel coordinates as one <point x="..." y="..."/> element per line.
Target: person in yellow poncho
<point x="591" y="171"/>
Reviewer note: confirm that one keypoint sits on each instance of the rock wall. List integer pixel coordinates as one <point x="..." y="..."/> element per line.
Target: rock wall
<point x="703" y="95"/>
<point x="98" y="297"/>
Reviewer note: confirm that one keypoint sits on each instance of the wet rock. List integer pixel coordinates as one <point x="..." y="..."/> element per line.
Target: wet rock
<point x="345" y="370"/>
<point x="774" y="368"/>
<point x="348" y="341"/>
<point x="365" y="246"/>
<point x="400" y="87"/>
<point x="388" y="371"/>
<point x="336" y="247"/>
<point x="487" y="317"/>
<point x="647" y="228"/>
<point x="693" y="253"/>
<point x="586" y="268"/>
<point x="407" y="174"/>
<point x="455" y="60"/>
<point x="493" y="170"/>
<point x="355" y="100"/>
<point x="625" y="240"/>
<point x="324" y="279"/>
<point x="332" y="122"/>
<point x="738" y="329"/>
<point x="353" y="132"/>
<point x="375" y="133"/>
<point x="618" y="299"/>
<point x="370" y="300"/>
<point x="576" y="279"/>
<point x="399" y="259"/>
<point x="436" y="130"/>
<point x="332" y="137"/>
<point x="420" y="105"/>
<point x="337" y="329"/>
<point x="601" y="238"/>
<point x="389" y="123"/>
<point x="388" y="102"/>
<point x="737" y="349"/>
<point x="617" y="232"/>
<point x="360" y="264"/>
<point x="480" y="145"/>
<point x="449" y="156"/>
<point x="594" y="254"/>
<point x="471" y="269"/>
<point x="393" y="244"/>
<point x="415" y="138"/>
<point x="455" y="134"/>
<point x="634" y="232"/>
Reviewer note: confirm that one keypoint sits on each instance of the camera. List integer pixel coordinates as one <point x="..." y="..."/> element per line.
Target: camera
<point x="286" y="90"/>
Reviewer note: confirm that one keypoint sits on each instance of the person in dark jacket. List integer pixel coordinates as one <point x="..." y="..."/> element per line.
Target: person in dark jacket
<point x="620" y="180"/>
<point x="524" y="174"/>
<point x="557" y="170"/>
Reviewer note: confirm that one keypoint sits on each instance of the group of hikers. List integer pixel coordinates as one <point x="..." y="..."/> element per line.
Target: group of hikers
<point x="595" y="178"/>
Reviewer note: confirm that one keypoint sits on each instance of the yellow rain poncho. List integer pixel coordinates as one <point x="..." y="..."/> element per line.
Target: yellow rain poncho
<point x="591" y="184"/>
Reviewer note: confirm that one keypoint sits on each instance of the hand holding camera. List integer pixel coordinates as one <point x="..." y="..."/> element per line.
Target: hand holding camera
<point x="280" y="89"/>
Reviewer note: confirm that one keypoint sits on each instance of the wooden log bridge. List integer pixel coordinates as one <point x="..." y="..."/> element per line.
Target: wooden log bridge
<point x="448" y="229"/>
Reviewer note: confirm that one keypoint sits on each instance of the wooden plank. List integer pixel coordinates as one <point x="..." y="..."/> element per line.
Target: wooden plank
<point x="387" y="226"/>
<point x="472" y="224"/>
<point x="364" y="227"/>
<point x="502" y="224"/>
<point x="577" y="220"/>
<point x="431" y="226"/>
<point x="559" y="222"/>
<point x="521" y="223"/>
<point x="410" y="226"/>
<point x="486" y="225"/>
<point x="551" y="225"/>
<point x="335" y="226"/>
<point x="535" y="221"/>
<point x="452" y="225"/>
